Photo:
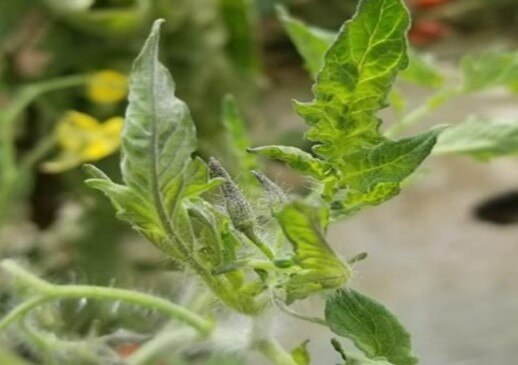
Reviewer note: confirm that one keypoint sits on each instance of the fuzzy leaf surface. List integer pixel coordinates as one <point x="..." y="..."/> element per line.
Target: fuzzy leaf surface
<point x="372" y="328"/>
<point x="157" y="169"/>
<point x="303" y="225"/>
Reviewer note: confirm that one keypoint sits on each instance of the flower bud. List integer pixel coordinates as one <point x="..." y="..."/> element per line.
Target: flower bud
<point x="276" y="197"/>
<point x="238" y="208"/>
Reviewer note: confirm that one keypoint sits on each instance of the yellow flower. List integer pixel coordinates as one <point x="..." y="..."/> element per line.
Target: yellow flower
<point x="106" y="87"/>
<point x="82" y="139"/>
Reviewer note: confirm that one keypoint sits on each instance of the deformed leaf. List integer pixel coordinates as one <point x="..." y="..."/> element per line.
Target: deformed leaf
<point x="295" y="158"/>
<point x="358" y="72"/>
<point x="158" y="171"/>
<point x="312" y="44"/>
<point x="362" y="166"/>
<point x="303" y="225"/>
<point x="131" y="207"/>
<point x="481" y="138"/>
<point x="159" y="135"/>
<point x="374" y="174"/>
<point x="372" y="328"/>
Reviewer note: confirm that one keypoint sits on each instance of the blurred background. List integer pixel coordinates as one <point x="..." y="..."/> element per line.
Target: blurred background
<point x="442" y="255"/>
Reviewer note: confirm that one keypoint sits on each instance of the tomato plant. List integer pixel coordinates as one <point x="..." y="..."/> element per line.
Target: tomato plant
<point x="251" y="248"/>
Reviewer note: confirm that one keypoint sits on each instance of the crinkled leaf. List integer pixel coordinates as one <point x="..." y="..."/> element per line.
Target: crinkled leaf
<point x="295" y="158"/>
<point x="217" y="241"/>
<point x="312" y="44"/>
<point x="372" y="328"/>
<point x="157" y="142"/>
<point x="301" y="354"/>
<point x="131" y="207"/>
<point x="159" y="135"/>
<point x="357" y="74"/>
<point x="481" y="138"/>
<point x="490" y="69"/>
<point x="303" y="225"/>
<point x="374" y="174"/>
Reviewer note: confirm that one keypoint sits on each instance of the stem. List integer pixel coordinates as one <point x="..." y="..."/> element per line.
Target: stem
<point x="274" y="352"/>
<point x="416" y="115"/>
<point x="167" y="341"/>
<point x="283" y="307"/>
<point x="8" y="117"/>
<point x="263" y="247"/>
<point x="46" y="292"/>
<point x="43" y="147"/>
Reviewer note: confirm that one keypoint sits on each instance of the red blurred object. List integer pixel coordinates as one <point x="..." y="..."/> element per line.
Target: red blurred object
<point x="426" y="4"/>
<point x="427" y="31"/>
<point x="126" y="350"/>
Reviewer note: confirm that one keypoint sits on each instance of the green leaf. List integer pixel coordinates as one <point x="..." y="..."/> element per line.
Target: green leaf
<point x="358" y="72"/>
<point x="374" y="174"/>
<point x="490" y="69"/>
<point x="158" y="140"/>
<point x="353" y="358"/>
<point x="237" y="137"/>
<point x="312" y="43"/>
<point x="301" y="354"/>
<point x="481" y="138"/>
<point x="238" y="17"/>
<point x="159" y="135"/>
<point x="422" y="71"/>
<point x="130" y="207"/>
<point x="303" y="225"/>
<point x="372" y="328"/>
<point x="362" y="167"/>
<point x="295" y="158"/>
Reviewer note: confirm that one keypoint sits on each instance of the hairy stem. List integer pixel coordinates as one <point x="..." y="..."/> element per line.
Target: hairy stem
<point x="46" y="292"/>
